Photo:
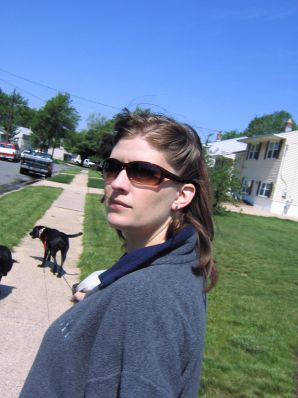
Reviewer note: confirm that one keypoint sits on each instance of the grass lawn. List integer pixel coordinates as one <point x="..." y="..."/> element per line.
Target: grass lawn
<point x="20" y="210"/>
<point x="101" y="244"/>
<point x="72" y="170"/>
<point x="63" y="178"/>
<point x="95" y="179"/>
<point x="94" y="173"/>
<point x="95" y="182"/>
<point x="252" y="317"/>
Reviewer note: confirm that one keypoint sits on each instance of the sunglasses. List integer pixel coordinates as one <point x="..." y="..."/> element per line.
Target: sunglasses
<point x="138" y="172"/>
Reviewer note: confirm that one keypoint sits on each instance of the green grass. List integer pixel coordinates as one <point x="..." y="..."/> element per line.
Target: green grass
<point x="101" y="244"/>
<point x="251" y="337"/>
<point x="253" y="319"/>
<point x="95" y="182"/>
<point x="72" y="170"/>
<point x="63" y="178"/>
<point x="251" y="340"/>
<point x="94" y="173"/>
<point x="20" y="210"/>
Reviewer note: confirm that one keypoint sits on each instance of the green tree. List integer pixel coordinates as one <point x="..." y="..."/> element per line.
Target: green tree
<point x="225" y="184"/>
<point x="231" y="134"/>
<point x="4" y="109"/>
<point x="88" y="143"/>
<point x="268" y="124"/>
<point x="54" y="122"/>
<point x="14" y="111"/>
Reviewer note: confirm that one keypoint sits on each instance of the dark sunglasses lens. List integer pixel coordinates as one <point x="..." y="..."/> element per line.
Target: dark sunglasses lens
<point x="111" y="168"/>
<point x="143" y="173"/>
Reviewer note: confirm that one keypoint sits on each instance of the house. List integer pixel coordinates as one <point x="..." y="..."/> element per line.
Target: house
<point x="60" y="153"/>
<point x="3" y="134"/>
<point x="232" y="148"/>
<point x="269" y="172"/>
<point x="22" y="137"/>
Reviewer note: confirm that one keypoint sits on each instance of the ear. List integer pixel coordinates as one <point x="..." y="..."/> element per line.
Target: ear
<point x="184" y="196"/>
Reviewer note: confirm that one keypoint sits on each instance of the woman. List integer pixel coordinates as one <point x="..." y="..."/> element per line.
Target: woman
<point x="140" y="333"/>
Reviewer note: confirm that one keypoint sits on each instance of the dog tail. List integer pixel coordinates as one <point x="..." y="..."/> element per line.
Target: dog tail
<point x="75" y="235"/>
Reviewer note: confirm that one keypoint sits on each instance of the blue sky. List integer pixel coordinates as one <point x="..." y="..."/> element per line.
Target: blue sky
<point x="213" y="64"/>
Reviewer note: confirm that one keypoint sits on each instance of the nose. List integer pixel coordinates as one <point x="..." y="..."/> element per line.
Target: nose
<point x="121" y="181"/>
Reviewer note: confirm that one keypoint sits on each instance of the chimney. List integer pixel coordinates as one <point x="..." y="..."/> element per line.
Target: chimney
<point x="218" y="136"/>
<point x="289" y="126"/>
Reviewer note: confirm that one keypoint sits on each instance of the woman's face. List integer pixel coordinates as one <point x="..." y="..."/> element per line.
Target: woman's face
<point x="141" y="213"/>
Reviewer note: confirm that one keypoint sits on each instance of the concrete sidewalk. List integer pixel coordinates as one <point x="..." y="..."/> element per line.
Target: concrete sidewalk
<point x="31" y="297"/>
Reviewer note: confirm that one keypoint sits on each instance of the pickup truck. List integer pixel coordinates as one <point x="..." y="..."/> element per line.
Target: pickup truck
<point x="88" y="163"/>
<point x="37" y="163"/>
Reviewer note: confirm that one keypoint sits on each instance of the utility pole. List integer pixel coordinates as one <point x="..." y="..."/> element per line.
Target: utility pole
<point x="11" y="114"/>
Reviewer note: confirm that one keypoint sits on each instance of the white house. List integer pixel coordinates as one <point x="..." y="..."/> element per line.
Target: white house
<point x="269" y="173"/>
<point x="22" y="137"/>
<point x="232" y="148"/>
<point x="228" y="148"/>
<point x="3" y="134"/>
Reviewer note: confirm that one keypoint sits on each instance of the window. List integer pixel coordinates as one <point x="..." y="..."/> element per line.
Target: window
<point x="265" y="189"/>
<point x="273" y="150"/>
<point x="253" y="151"/>
<point x="247" y="186"/>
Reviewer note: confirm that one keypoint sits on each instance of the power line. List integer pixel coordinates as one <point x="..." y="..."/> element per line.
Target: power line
<point x="89" y="100"/>
<point x="21" y="89"/>
<point x="55" y="89"/>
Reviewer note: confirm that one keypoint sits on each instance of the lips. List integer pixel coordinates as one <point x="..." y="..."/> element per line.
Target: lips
<point x="117" y="203"/>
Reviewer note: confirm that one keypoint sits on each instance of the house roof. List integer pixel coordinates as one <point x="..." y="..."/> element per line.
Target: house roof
<point x="263" y="138"/>
<point x="20" y="131"/>
<point x="226" y="147"/>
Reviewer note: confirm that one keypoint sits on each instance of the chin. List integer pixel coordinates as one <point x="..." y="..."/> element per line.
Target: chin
<point x="116" y="222"/>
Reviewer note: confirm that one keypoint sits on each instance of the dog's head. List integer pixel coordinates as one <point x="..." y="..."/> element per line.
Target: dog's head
<point x="36" y="231"/>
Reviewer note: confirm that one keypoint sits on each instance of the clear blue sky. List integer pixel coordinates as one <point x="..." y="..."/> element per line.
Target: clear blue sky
<point x="212" y="64"/>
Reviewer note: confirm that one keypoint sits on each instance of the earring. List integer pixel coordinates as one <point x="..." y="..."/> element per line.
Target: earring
<point x="176" y="207"/>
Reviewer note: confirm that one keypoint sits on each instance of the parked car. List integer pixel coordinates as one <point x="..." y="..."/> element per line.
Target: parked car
<point x="88" y="163"/>
<point x="37" y="163"/>
<point x="26" y="151"/>
<point x="10" y="151"/>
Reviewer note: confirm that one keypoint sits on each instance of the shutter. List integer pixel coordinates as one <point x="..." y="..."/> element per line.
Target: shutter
<point x="265" y="154"/>
<point x="259" y="186"/>
<point x="259" y="150"/>
<point x="250" y="188"/>
<point x="270" y="191"/>
<point x="279" y="148"/>
<point x="248" y="149"/>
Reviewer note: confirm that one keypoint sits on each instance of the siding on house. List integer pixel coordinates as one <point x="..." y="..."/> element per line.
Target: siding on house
<point x="281" y="172"/>
<point x="285" y="200"/>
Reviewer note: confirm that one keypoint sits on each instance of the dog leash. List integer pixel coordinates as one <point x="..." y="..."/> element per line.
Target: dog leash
<point x="67" y="282"/>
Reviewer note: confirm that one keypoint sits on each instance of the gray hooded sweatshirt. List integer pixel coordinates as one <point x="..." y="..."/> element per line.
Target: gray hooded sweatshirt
<point x="140" y="337"/>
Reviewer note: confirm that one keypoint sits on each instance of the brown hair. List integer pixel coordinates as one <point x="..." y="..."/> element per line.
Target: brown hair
<point x="182" y="149"/>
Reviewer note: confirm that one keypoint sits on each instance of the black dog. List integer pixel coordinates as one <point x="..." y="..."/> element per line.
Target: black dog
<point x="53" y="241"/>
<point x="6" y="261"/>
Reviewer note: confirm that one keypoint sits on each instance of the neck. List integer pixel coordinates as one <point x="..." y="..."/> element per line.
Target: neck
<point x="135" y="240"/>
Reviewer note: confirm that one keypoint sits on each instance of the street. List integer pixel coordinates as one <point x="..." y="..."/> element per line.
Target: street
<point x="11" y="178"/>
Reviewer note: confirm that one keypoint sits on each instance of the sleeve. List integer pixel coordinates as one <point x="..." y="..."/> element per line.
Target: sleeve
<point x="139" y="350"/>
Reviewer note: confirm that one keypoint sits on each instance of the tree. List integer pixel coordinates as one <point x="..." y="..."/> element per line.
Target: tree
<point x="225" y="184"/>
<point x="14" y="111"/>
<point x="88" y="143"/>
<point x="231" y="134"/>
<point x="54" y="122"/>
<point x="269" y="124"/>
